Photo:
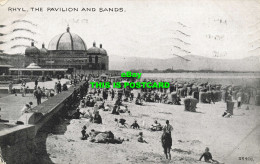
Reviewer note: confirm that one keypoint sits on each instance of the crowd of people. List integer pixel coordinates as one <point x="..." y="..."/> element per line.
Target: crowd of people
<point x="96" y="99"/>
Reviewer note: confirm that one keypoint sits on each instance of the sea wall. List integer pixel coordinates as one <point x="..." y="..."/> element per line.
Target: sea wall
<point x="18" y="143"/>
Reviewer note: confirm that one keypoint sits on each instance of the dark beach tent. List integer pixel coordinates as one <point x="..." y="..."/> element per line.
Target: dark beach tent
<point x="174" y="96"/>
<point x="195" y="95"/>
<point x="217" y="96"/>
<point x="203" y="97"/>
<point x="181" y="92"/>
<point x="190" y="104"/>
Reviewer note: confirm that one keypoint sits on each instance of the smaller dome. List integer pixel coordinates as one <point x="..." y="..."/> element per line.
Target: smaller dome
<point x="102" y="50"/>
<point x="32" y="50"/>
<point x="94" y="49"/>
<point x="33" y="65"/>
<point x="43" y="50"/>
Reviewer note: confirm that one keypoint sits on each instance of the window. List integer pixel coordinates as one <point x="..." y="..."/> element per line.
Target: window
<point x="96" y="59"/>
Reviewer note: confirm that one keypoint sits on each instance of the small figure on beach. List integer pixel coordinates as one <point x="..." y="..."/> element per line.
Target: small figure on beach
<point x="135" y="125"/>
<point x="27" y="108"/>
<point x="83" y="132"/>
<point x="140" y="138"/>
<point x="97" y="118"/>
<point x="156" y="126"/>
<point x="121" y="121"/>
<point x="77" y="114"/>
<point x="208" y="157"/>
<point x="166" y="139"/>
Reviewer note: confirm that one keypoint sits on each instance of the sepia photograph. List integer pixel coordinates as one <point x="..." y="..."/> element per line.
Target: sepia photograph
<point x="129" y="81"/>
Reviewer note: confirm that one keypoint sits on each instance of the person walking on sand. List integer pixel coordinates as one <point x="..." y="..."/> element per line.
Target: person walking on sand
<point x="166" y="139"/>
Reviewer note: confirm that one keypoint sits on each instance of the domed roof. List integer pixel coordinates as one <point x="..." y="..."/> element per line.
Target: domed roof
<point x="94" y="49"/>
<point x="67" y="41"/>
<point x="32" y="50"/>
<point x="33" y="65"/>
<point x="102" y="50"/>
<point x="43" y="50"/>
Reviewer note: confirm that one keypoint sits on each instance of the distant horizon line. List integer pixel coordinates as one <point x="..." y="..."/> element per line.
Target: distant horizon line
<point x="3" y="53"/>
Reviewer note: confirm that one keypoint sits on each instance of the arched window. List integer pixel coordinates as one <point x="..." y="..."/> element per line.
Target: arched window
<point x="96" y="59"/>
<point x="90" y="59"/>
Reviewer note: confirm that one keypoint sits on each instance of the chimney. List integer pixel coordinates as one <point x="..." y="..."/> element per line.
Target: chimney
<point x="94" y="44"/>
<point x="32" y="43"/>
<point x="100" y="45"/>
<point x="43" y="46"/>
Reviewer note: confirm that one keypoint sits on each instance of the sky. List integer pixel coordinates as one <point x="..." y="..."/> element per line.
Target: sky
<point x="146" y="28"/>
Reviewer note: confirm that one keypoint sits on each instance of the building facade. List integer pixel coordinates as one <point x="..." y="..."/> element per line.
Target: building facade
<point x="68" y="50"/>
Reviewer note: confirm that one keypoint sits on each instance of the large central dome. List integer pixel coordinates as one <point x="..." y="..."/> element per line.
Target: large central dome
<point x="67" y="41"/>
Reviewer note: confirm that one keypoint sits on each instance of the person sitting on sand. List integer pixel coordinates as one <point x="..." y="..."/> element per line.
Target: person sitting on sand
<point x="27" y="108"/>
<point x="156" y="126"/>
<point x="118" y="101"/>
<point x="77" y="114"/>
<point x="121" y="121"/>
<point x="138" y="102"/>
<point x="135" y="125"/>
<point x="82" y="103"/>
<point x="208" y="157"/>
<point x="101" y="105"/>
<point x="83" y="132"/>
<point x="97" y="118"/>
<point x="140" y="138"/>
<point x="115" y="110"/>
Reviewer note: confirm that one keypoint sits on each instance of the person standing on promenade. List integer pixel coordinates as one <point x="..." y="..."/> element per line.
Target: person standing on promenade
<point x="36" y="83"/>
<point x="59" y="87"/>
<point x="38" y="95"/>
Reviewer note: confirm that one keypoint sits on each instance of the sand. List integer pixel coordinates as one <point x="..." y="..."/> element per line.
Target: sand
<point x="228" y="138"/>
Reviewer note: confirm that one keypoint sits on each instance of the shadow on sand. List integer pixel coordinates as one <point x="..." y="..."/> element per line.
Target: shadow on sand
<point x="56" y="126"/>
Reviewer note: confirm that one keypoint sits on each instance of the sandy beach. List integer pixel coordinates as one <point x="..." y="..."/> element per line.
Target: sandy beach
<point x="229" y="139"/>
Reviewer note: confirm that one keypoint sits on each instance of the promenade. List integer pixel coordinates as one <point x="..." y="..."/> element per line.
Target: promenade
<point x="11" y="105"/>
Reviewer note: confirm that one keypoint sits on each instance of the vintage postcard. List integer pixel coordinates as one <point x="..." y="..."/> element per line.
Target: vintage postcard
<point x="129" y="81"/>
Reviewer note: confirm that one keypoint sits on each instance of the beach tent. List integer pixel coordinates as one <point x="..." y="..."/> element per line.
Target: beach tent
<point x="190" y="104"/>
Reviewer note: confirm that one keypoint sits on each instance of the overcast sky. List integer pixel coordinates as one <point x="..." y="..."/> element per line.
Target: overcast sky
<point x="212" y="28"/>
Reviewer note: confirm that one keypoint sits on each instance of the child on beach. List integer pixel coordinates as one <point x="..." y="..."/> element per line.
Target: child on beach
<point x="135" y="125"/>
<point x="83" y="132"/>
<point x="140" y="138"/>
<point x="208" y="157"/>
